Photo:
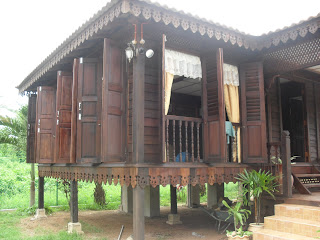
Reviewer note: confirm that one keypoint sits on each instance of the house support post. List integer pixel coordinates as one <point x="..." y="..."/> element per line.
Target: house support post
<point x="193" y="198"/>
<point x="40" y="213"/>
<point x="151" y="201"/>
<point x="212" y="195"/>
<point x="138" y="135"/>
<point x="74" y="226"/>
<point x="174" y="217"/>
<point x="126" y="199"/>
<point x="286" y="164"/>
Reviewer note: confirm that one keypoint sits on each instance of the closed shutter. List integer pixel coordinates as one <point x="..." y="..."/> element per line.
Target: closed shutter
<point x="113" y="104"/>
<point x="214" y="109"/>
<point x="63" y="117"/>
<point x="89" y="111"/>
<point x="254" y="137"/>
<point x="45" y="124"/>
<point x="31" y="144"/>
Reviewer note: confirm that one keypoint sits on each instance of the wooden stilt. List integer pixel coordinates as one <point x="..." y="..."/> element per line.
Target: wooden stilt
<point x="173" y="196"/>
<point x="41" y="193"/>
<point x="138" y="213"/>
<point x="74" y="201"/>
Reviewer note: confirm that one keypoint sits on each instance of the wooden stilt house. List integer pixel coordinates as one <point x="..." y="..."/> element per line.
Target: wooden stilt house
<point x="210" y="102"/>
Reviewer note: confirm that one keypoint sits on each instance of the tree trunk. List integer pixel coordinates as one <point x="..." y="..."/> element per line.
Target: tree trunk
<point x="32" y="187"/>
<point x="99" y="195"/>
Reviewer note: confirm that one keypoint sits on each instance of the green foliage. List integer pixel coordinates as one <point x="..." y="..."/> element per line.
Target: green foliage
<point x="13" y="131"/>
<point x="239" y="214"/>
<point x="255" y="184"/>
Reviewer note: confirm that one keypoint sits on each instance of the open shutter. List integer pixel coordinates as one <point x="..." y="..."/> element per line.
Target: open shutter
<point x="63" y="117"/>
<point x="213" y="109"/>
<point x="46" y="108"/>
<point x="253" y="113"/>
<point x="31" y="144"/>
<point x="113" y="104"/>
<point x="89" y="111"/>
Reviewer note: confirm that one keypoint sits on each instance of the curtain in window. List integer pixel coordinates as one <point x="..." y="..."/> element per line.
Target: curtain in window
<point x="231" y="98"/>
<point x="179" y="64"/>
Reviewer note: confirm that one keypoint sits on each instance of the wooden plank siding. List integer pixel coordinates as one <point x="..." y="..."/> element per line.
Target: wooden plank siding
<point x="152" y="143"/>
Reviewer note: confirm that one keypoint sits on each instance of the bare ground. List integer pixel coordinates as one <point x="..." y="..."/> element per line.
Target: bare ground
<point x="107" y="224"/>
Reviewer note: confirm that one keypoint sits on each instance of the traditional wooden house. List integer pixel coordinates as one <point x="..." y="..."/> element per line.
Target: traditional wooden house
<point x="143" y="95"/>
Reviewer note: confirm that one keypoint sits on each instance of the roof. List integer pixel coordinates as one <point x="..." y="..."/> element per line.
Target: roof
<point x="161" y="13"/>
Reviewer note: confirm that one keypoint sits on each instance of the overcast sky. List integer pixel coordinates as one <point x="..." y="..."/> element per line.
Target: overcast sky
<point x="32" y="29"/>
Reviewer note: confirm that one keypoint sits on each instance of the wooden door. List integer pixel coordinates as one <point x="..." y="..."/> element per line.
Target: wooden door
<point x="31" y="134"/>
<point x="214" y="115"/>
<point x="253" y="115"/>
<point x="46" y="108"/>
<point x="63" y="117"/>
<point x="113" y="105"/>
<point x="89" y="111"/>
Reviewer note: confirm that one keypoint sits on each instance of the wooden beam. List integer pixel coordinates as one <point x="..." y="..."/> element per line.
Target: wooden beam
<point x="74" y="201"/>
<point x="173" y="197"/>
<point x="286" y="164"/>
<point x="41" y="193"/>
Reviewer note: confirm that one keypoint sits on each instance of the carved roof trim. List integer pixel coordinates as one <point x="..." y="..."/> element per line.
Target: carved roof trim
<point x="159" y="13"/>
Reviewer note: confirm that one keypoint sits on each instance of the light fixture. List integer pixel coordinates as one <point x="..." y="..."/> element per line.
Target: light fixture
<point x="129" y="53"/>
<point x="149" y="53"/>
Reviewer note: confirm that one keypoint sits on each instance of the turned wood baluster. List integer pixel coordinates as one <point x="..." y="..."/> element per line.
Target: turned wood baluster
<point x="180" y="140"/>
<point x="186" y="126"/>
<point x="237" y="154"/>
<point x="198" y="142"/>
<point x="174" y="140"/>
<point x="167" y="140"/>
<point x="192" y="144"/>
<point x="276" y="161"/>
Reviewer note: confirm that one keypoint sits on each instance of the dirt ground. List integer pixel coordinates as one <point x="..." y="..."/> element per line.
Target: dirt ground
<point x="107" y="224"/>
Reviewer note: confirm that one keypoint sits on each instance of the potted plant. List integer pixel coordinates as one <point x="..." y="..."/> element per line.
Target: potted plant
<point x="255" y="184"/>
<point x="239" y="215"/>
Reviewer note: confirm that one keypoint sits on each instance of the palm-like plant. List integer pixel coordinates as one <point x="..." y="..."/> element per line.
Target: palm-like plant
<point x="255" y="184"/>
<point x="240" y="215"/>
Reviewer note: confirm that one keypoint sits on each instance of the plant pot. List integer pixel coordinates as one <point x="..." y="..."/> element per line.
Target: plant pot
<point x="254" y="227"/>
<point x="245" y="237"/>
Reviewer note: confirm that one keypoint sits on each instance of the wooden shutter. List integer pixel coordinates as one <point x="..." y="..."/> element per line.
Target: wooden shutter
<point x="89" y="111"/>
<point x="63" y="117"/>
<point x="31" y="144"/>
<point x="113" y="104"/>
<point x="253" y="115"/>
<point x="46" y="108"/>
<point x="73" y="141"/>
<point x="214" y="131"/>
<point x="317" y="118"/>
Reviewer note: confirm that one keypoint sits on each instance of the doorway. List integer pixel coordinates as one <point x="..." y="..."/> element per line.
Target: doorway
<point x="294" y="117"/>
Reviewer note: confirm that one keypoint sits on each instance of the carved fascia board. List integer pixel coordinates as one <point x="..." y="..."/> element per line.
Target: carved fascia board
<point x="144" y="176"/>
<point x="292" y="33"/>
<point x="157" y="14"/>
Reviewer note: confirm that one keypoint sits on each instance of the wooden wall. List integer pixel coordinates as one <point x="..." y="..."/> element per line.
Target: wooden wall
<point x="152" y="129"/>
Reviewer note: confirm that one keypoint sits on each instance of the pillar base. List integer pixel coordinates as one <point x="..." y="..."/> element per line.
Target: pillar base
<point x="75" y="228"/>
<point x="173" y="219"/>
<point x="40" y="214"/>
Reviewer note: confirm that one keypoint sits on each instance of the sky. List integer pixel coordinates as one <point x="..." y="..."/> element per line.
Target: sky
<point x="32" y="29"/>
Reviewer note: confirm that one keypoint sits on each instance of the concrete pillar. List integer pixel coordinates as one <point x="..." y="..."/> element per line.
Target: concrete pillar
<point x="193" y="196"/>
<point x="126" y="199"/>
<point x="151" y="201"/>
<point x="212" y="195"/>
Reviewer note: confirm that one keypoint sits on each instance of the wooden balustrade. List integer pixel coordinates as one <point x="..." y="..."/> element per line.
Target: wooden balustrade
<point x="183" y="139"/>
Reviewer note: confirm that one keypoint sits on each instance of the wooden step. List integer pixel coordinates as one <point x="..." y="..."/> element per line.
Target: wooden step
<point x="303" y="227"/>
<point x="268" y="234"/>
<point x="298" y="211"/>
<point x="307" y="175"/>
<point x="311" y="185"/>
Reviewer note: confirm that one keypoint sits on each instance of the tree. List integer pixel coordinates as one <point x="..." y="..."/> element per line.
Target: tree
<point x="13" y="131"/>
